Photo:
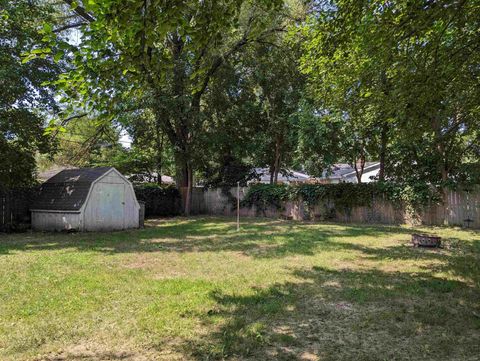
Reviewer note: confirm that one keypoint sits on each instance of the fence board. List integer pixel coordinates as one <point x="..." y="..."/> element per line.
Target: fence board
<point x="15" y="208"/>
<point x="459" y="207"/>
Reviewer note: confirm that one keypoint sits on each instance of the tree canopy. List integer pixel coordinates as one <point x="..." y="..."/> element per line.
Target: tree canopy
<point x="208" y="91"/>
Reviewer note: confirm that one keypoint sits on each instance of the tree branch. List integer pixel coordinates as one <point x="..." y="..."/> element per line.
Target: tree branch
<point x="70" y="26"/>
<point x="81" y="11"/>
<point x="66" y="120"/>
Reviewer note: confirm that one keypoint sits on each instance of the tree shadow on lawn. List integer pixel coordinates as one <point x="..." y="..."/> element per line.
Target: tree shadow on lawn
<point x="258" y="238"/>
<point x="328" y="314"/>
<point x="346" y="315"/>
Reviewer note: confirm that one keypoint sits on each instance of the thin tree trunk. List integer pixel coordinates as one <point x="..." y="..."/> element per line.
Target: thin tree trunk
<point x="383" y="151"/>
<point x="384" y="130"/>
<point x="188" y="196"/>
<point x="159" y="157"/>
<point x="276" y="167"/>
<point x="441" y="166"/>
<point x="275" y="175"/>
<point x="359" y="171"/>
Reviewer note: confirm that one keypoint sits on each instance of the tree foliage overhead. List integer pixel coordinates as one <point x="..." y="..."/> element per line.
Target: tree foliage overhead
<point x="24" y="102"/>
<point x="214" y="89"/>
<point x="165" y="51"/>
<point x="405" y="75"/>
<point x="163" y="54"/>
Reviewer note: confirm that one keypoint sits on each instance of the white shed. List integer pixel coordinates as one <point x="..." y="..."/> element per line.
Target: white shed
<point x="87" y="199"/>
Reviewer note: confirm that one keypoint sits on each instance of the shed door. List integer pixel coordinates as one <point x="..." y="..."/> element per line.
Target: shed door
<point x="109" y="204"/>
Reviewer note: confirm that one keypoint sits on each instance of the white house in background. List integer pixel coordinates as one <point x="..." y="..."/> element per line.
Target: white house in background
<point x="289" y="177"/>
<point x="150" y="178"/>
<point x="344" y="173"/>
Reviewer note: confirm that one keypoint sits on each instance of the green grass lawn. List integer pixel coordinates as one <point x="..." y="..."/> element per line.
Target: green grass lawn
<point x="195" y="289"/>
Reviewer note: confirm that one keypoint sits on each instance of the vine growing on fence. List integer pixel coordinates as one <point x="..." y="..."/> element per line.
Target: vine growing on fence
<point x="343" y="196"/>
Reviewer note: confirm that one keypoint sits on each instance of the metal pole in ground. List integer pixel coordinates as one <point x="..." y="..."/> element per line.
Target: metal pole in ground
<point x="238" y="206"/>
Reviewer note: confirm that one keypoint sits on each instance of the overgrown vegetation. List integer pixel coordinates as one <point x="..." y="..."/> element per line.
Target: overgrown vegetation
<point x="159" y="200"/>
<point x="343" y="196"/>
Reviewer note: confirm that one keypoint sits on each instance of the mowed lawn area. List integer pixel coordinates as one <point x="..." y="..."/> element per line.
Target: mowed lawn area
<point x="195" y="289"/>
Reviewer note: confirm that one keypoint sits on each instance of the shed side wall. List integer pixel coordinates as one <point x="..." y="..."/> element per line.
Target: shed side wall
<point x="56" y="221"/>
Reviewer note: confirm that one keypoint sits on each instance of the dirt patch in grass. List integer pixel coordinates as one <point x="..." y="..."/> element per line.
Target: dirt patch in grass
<point x="97" y="352"/>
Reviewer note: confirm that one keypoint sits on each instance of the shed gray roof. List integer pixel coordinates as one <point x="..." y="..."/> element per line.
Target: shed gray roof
<point x="68" y="189"/>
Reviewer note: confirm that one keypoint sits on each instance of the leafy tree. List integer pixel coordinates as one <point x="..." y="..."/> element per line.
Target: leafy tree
<point x="347" y="70"/>
<point x="279" y="90"/>
<point x="317" y="146"/>
<point x="24" y="102"/>
<point x="83" y="143"/>
<point x="151" y="154"/>
<point x="436" y="76"/>
<point x="232" y="122"/>
<point x="250" y="111"/>
<point x="405" y="74"/>
<point x="167" y="52"/>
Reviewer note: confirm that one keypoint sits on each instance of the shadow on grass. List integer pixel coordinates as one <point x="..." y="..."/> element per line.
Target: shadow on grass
<point x="326" y="314"/>
<point x="257" y="238"/>
<point x="346" y="315"/>
<point x="92" y="355"/>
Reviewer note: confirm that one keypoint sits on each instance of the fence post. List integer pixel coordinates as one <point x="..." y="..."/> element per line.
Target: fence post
<point x="238" y="206"/>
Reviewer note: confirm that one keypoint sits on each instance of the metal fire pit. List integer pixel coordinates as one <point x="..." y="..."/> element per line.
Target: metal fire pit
<point x="426" y="240"/>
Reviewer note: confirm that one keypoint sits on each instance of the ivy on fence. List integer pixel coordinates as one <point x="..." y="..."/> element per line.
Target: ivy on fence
<point x="344" y="196"/>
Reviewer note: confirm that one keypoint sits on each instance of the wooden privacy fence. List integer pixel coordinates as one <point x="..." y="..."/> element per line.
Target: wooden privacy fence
<point x="461" y="209"/>
<point x="15" y="208"/>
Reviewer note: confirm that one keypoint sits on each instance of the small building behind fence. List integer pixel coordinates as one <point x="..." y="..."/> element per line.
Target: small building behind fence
<point x="87" y="199"/>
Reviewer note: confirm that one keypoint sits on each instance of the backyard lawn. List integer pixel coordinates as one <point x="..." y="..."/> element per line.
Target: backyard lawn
<point x="195" y="289"/>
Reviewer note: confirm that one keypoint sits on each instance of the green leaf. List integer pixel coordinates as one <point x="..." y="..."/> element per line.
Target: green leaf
<point x="47" y="28"/>
<point x="58" y="56"/>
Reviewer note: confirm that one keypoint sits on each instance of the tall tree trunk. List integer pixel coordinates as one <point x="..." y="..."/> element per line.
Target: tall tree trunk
<point x="188" y="196"/>
<point x="441" y="165"/>
<point x="159" y="156"/>
<point x="276" y="166"/>
<point x="181" y="170"/>
<point x="272" y="171"/>
<point x="386" y="86"/>
<point x="383" y="151"/>
<point x="184" y="180"/>
<point x="359" y="166"/>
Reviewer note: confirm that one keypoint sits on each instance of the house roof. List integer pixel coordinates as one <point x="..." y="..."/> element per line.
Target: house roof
<point x="68" y="189"/>
<point x="369" y="166"/>
<point x="337" y="171"/>
<point x="150" y="177"/>
<point x="344" y="170"/>
<point x="290" y="176"/>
